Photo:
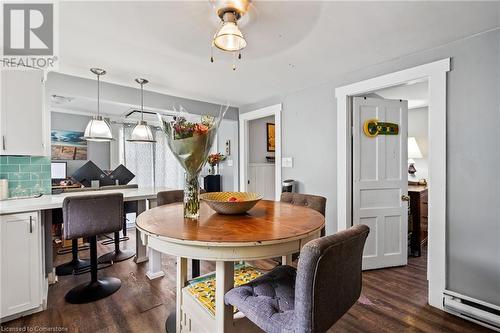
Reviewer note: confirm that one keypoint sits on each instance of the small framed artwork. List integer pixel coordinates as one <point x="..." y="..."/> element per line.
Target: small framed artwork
<point x="270" y="137"/>
<point x="68" y="145"/>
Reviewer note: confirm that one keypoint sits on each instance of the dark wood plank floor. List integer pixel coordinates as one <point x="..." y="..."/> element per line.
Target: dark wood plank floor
<point x="393" y="300"/>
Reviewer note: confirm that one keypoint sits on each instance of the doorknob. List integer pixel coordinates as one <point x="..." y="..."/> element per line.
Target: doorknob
<point x="405" y="197"/>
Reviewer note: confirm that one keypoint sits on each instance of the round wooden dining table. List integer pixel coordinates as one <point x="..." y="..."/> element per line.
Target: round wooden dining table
<point x="270" y="229"/>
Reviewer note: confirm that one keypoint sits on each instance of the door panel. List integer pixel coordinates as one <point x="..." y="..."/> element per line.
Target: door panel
<point x="379" y="181"/>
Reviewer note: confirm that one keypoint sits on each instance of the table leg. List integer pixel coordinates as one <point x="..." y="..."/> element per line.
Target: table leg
<point x="182" y="269"/>
<point x="140" y="249"/>
<point x="224" y="277"/>
<point x="286" y="260"/>
<point x="155" y="271"/>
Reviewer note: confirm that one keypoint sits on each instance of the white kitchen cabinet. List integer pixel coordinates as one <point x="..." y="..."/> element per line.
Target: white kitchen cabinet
<point x="21" y="264"/>
<point x="23" y="122"/>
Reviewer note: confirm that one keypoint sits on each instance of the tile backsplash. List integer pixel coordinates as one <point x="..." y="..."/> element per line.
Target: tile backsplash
<point x="27" y="175"/>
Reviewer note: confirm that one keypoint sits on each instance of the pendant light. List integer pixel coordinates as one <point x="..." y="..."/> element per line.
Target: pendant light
<point x="142" y="132"/>
<point x="98" y="129"/>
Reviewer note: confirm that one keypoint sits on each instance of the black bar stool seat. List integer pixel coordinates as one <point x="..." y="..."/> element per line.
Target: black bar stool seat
<point x="88" y="216"/>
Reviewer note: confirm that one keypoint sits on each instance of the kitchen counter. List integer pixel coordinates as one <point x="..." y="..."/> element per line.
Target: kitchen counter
<point x="52" y="201"/>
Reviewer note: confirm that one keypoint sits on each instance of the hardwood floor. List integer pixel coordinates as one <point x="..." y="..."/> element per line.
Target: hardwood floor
<point x="393" y="300"/>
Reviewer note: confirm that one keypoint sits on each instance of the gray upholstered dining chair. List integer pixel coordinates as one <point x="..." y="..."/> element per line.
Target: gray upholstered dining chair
<point x="315" y="202"/>
<point x="88" y="216"/>
<point x="311" y="298"/>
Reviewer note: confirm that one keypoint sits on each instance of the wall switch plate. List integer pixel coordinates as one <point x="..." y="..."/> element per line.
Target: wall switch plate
<point x="287" y="162"/>
<point x="230" y="163"/>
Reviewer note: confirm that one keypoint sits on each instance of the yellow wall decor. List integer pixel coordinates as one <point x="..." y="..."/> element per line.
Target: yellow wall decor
<point x="373" y="127"/>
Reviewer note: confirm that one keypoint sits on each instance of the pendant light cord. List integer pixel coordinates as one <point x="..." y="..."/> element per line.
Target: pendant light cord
<point x="142" y="101"/>
<point x="98" y="97"/>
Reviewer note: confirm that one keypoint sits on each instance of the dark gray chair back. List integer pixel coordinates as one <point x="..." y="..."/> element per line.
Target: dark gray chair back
<point x="308" y="200"/>
<point x="173" y="196"/>
<point x="89" y="215"/>
<point x="328" y="279"/>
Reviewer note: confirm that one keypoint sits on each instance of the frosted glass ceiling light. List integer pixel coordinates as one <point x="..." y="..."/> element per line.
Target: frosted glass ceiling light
<point x="229" y="37"/>
<point x="142" y="132"/>
<point x="98" y="129"/>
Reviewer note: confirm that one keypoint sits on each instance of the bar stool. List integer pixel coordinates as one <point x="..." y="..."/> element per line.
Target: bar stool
<point x="118" y="254"/>
<point x="76" y="264"/>
<point x="88" y="216"/>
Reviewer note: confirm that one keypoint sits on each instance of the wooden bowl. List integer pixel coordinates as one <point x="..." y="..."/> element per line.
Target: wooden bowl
<point x="218" y="201"/>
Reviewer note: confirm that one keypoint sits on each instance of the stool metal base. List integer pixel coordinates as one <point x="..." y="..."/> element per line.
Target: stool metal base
<point x="115" y="256"/>
<point x="72" y="266"/>
<point x="93" y="291"/>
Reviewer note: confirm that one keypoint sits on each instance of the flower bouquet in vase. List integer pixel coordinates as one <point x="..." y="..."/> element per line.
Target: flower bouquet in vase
<point x="213" y="160"/>
<point x="190" y="138"/>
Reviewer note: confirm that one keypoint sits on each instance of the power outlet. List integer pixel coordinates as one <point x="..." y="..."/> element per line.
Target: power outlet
<point x="287" y="162"/>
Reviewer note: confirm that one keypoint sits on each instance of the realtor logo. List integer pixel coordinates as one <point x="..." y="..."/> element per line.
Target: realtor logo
<point x="28" y="29"/>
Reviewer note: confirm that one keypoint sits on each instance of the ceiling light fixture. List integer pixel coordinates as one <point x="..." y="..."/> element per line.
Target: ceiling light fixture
<point x="142" y="132"/>
<point x="229" y="37"/>
<point x="98" y="129"/>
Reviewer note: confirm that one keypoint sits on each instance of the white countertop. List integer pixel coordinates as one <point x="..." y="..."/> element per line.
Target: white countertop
<point x="52" y="201"/>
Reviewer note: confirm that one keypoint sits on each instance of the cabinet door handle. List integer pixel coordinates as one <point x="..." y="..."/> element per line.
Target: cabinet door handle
<point x="31" y="224"/>
<point x="3" y="142"/>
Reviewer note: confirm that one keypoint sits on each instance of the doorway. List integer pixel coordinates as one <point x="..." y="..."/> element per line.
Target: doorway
<point x="435" y="74"/>
<point x="256" y="171"/>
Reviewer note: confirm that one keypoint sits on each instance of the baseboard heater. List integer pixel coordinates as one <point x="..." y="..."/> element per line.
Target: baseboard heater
<point x="477" y="311"/>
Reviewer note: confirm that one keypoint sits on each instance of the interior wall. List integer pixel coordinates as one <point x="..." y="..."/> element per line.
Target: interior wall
<point x="473" y="153"/>
<point x="257" y="135"/>
<point x="97" y="152"/>
<point x="228" y="169"/>
<point x="418" y="127"/>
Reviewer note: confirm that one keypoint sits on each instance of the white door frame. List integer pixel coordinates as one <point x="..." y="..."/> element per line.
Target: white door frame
<point x="273" y="110"/>
<point x="435" y="73"/>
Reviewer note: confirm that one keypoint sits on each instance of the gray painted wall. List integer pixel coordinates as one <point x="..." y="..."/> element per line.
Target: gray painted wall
<point x="473" y="153"/>
<point x="228" y="130"/>
<point x="97" y="152"/>
<point x="257" y="136"/>
<point x="418" y="127"/>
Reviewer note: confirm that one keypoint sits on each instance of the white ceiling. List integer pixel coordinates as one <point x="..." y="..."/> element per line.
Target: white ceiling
<point x="417" y="94"/>
<point x="291" y="45"/>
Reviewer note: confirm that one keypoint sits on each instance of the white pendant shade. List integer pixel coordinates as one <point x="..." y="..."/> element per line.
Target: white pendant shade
<point x="98" y="130"/>
<point x="229" y="38"/>
<point x="142" y="133"/>
<point x="413" y="149"/>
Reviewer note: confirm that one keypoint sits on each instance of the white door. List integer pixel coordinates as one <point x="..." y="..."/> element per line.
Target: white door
<point x="380" y="182"/>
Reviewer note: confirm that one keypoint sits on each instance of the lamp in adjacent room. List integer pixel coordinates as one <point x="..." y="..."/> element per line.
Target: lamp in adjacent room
<point x="98" y="129"/>
<point x="413" y="152"/>
<point x="142" y="132"/>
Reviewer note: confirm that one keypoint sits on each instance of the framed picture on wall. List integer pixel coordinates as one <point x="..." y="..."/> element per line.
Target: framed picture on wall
<point x="270" y="137"/>
<point x="68" y="145"/>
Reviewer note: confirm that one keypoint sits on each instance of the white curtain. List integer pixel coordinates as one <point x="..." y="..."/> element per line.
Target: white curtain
<point x="153" y="164"/>
<point x="168" y="172"/>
